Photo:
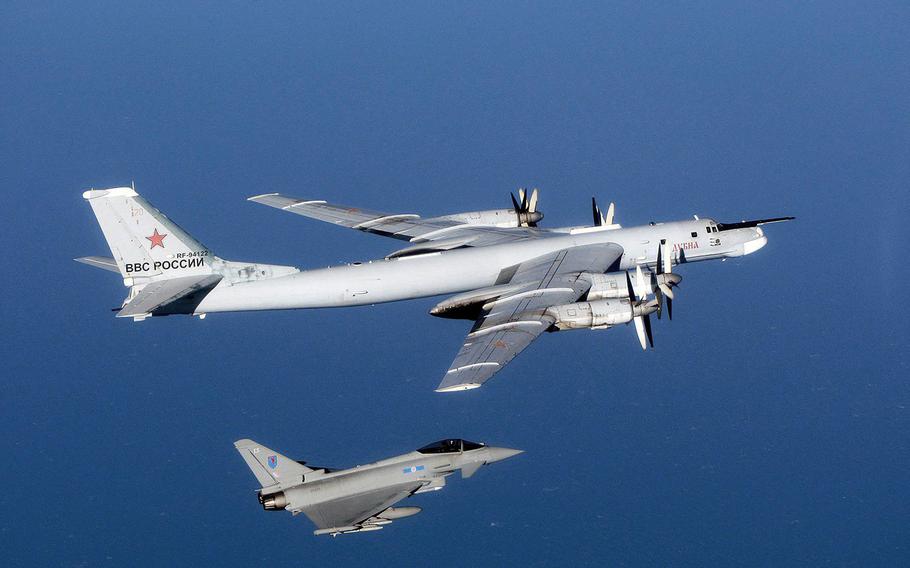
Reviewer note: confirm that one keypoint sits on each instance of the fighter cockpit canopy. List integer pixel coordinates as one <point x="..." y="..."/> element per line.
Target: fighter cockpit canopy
<point x="450" y="446"/>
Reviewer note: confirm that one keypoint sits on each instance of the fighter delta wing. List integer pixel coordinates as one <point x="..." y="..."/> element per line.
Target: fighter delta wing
<point x="348" y="514"/>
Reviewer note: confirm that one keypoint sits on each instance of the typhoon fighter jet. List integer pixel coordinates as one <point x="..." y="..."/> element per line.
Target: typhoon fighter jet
<point x="360" y="499"/>
<point x="511" y="278"/>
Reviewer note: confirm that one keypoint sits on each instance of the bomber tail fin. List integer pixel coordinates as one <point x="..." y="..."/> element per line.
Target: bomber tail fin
<point x="143" y="241"/>
<point x="167" y="270"/>
<point x="270" y="467"/>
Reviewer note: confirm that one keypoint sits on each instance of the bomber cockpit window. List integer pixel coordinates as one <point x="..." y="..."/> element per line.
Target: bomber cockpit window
<point x="442" y="447"/>
<point x="694" y="234"/>
<point x="468" y="446"/>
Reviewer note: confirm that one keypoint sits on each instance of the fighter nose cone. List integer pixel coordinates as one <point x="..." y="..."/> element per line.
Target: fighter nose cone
<point x="499" y="454"/>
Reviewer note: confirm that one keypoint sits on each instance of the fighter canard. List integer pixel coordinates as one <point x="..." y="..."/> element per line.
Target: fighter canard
<point x="514" y="279"/>
<point x="360" y="499"/>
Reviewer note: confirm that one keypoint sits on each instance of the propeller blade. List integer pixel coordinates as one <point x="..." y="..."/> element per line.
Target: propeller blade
<point x="647" y="320"/>
<point x="523" y="198"/>
<point x="670" y="308"/>
<point x="667" y="257"/>
<point x="630" y="288"/>
<point x="598" y="217"/>
<point x="532" y="204"/>
<point x="660" y="256"/>
<point x="515" y="203"/>
<point x="658" y="294"/>
<point x="640" y="330"/>
<point x="610" y="210"/>
<point x="666" y="290"/>
<point x="641" y="289"/>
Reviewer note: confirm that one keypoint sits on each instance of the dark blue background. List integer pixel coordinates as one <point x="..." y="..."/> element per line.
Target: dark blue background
<point x="768" y="428"/>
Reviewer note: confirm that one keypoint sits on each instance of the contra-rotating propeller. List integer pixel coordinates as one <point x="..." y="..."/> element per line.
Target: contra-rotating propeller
<point x="600" y="219"/>
<point x="663" y="280"/>
<point x="526" y="207"/>
<point x="641" y="307"/>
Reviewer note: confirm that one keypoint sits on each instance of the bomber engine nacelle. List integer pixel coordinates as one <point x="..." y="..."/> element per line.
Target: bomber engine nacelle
<point x="596" y="314"/>
<point x="607" y="286"/>
<point x="503" y="218"/>
<point x="273" y="501"/>
<point x="616" y="284"/>
<point x="523" y="213"/>
<point x="599" y="314"/>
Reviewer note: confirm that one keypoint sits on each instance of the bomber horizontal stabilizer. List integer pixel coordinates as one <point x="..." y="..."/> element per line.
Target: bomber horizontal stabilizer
<point x="103" y="262"/>
<point x="158" y="295"/>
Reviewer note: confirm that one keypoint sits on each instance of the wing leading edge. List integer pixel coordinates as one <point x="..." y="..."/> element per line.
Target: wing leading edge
<point x="443" y="233"/>
<point x="508" y="324"/>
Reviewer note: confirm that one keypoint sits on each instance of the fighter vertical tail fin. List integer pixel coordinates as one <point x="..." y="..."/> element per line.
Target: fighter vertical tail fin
<point x="270" y="467"/>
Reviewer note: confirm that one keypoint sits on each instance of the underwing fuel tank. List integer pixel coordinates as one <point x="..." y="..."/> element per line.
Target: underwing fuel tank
<point x="393" y="513"/>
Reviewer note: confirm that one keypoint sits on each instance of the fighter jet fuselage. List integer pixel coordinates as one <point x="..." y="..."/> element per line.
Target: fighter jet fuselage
<point x="361" y="498"/>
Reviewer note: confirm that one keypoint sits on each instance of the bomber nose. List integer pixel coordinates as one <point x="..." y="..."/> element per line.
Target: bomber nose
<point x="758" y="241"/>
<point x="499" y="454"/>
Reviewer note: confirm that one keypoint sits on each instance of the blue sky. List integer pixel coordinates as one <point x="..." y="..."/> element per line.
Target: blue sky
<point x="769" y="427"/>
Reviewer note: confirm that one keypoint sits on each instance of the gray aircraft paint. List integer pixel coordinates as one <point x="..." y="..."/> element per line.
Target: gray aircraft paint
<point x="430" y="274"/>
<point x="358" y="499"/>
<point x="547" y="270"/>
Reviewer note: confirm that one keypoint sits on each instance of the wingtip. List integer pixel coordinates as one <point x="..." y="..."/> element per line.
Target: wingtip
<point x="459" y="387"/>
<point x="261" y="195"/>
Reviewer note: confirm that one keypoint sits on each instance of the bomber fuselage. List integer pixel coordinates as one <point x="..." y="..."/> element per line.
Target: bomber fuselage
<point x="459" y="270"/>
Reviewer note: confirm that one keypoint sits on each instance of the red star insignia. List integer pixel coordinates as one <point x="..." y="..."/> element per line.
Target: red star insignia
<point x="157" y="239"/>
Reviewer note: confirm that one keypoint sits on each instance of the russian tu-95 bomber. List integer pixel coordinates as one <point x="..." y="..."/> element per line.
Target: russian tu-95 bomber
<point x="513" y="279"/>
<point x="361" y="499"/>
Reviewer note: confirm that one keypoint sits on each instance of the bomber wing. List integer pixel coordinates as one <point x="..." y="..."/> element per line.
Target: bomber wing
<point x="438" y="233"/>
<point x="358" y="512"/>
<point x="509" y="323"/>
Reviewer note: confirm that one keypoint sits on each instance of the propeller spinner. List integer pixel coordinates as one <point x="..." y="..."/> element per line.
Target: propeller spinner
<point x="526" y="207"/>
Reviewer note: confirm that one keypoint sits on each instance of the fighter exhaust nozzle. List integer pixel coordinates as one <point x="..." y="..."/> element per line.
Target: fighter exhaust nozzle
<point x="273" y="501"/>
